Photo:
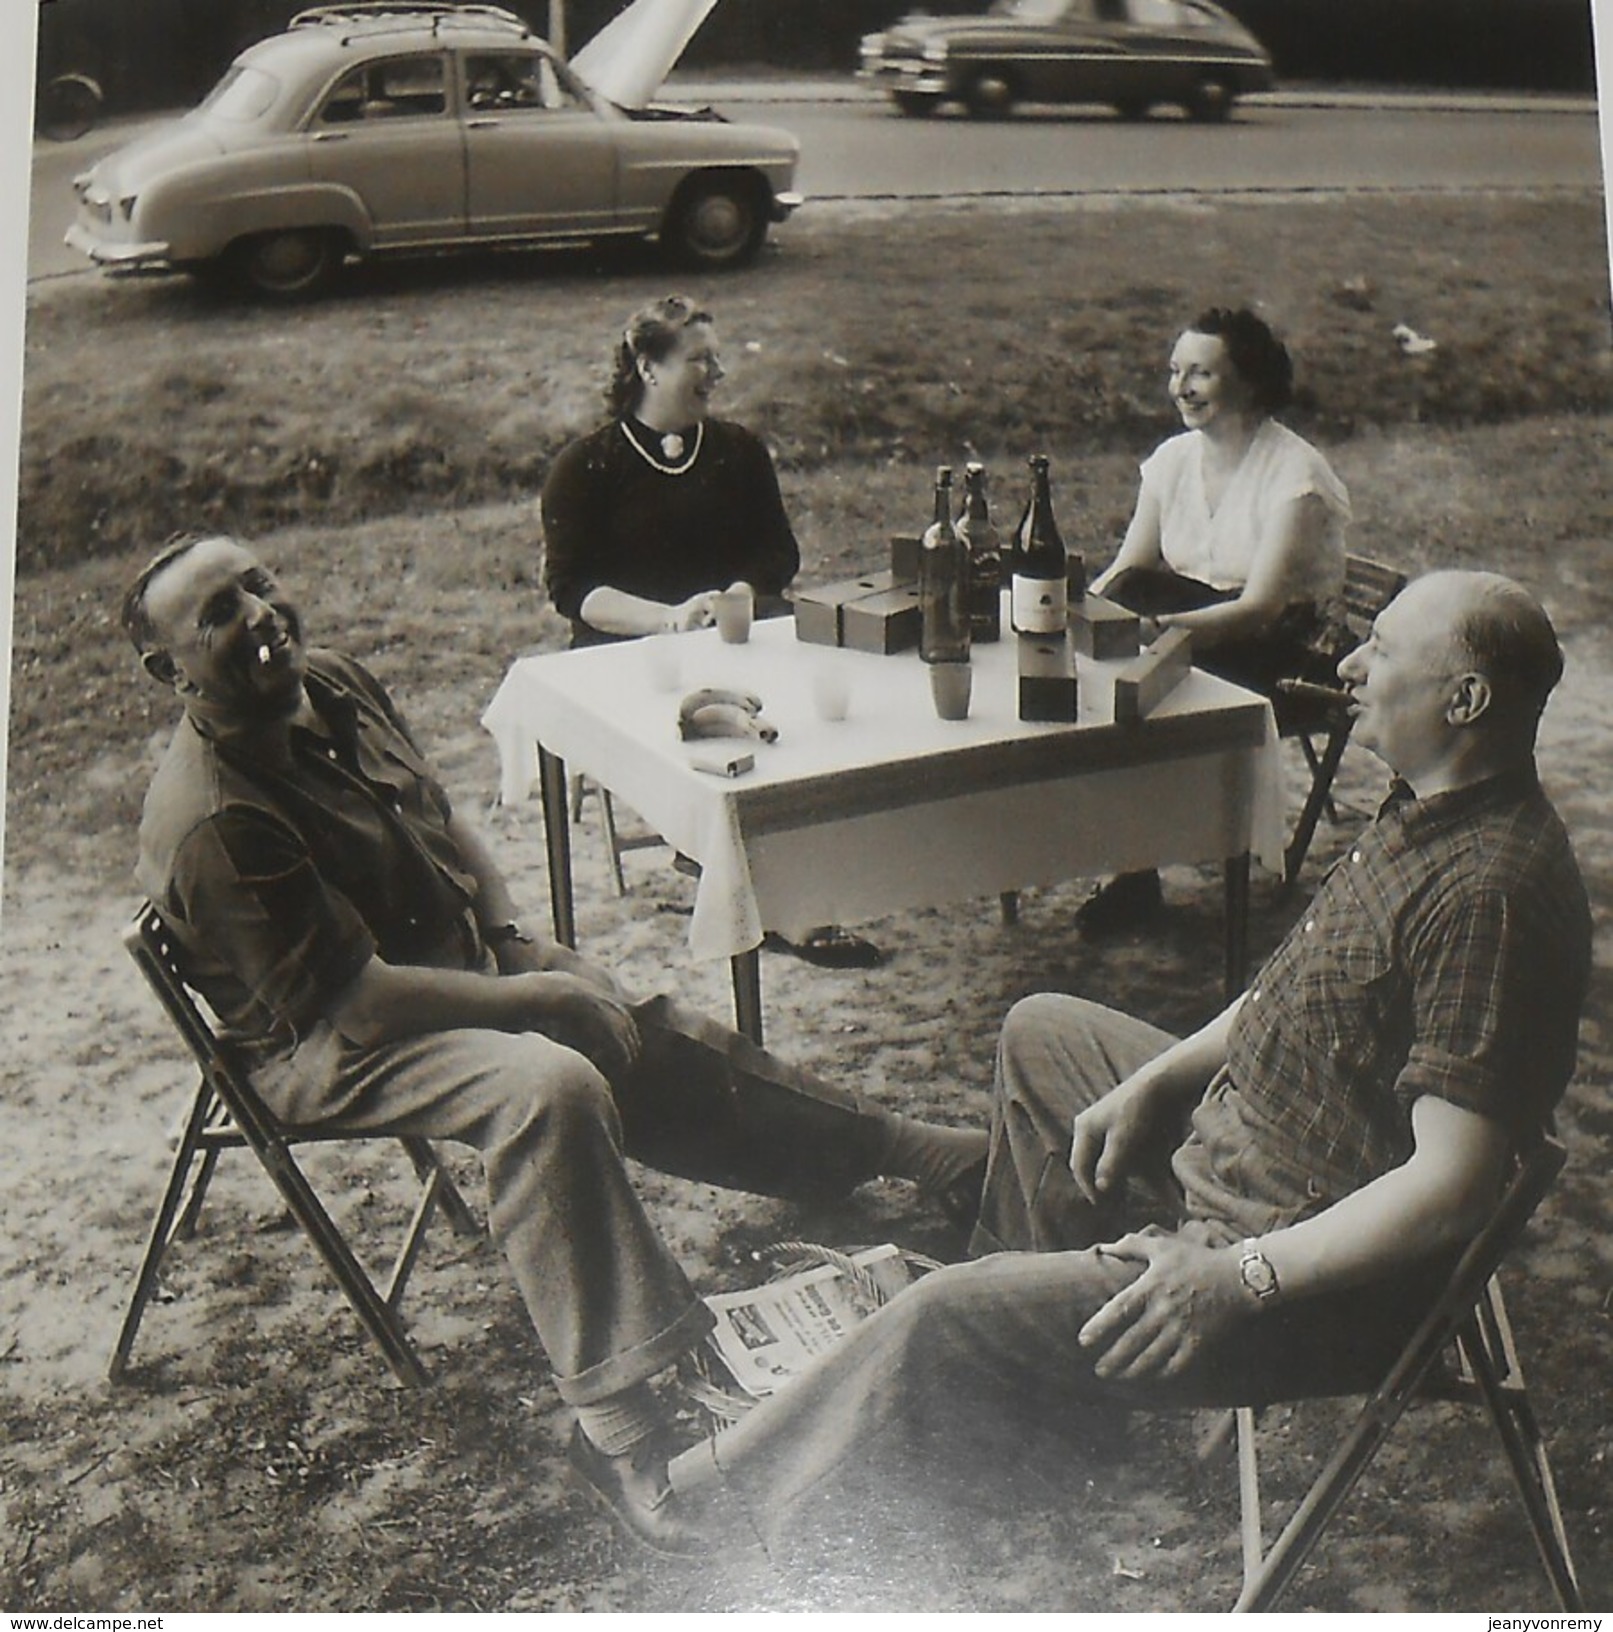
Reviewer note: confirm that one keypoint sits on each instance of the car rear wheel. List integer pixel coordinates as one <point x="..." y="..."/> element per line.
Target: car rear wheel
<point x="990" y="93"/>
<point x="289" y="265"/>
<point x="716" y="222"/>
<point x="1210" y="100"/>
<point x="915" y="104"/>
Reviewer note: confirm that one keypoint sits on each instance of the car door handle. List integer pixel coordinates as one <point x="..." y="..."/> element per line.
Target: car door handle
<point x="331" y="136"/>
<point x="483" y="124"/>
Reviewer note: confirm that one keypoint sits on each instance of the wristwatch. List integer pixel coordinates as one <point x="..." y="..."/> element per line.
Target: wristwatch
<point x="497" y="935"/>
<point x="1257" y="1274"/>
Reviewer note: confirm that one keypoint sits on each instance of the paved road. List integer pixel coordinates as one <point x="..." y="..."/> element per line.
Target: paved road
<point x="854" y="147"/>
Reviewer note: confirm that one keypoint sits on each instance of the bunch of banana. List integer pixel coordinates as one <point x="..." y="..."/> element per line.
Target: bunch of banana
<point x="717" y="711"/>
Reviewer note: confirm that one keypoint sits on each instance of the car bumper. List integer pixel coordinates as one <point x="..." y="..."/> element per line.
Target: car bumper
<point x="786" y="204"/>
<point x="921" y="78"/>
<point x="118" y="257"/>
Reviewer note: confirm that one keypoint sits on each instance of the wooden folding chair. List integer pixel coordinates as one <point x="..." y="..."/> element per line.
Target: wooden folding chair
<point x="1369" y="586"/>
<point x="227" y="1113"/>
<point x="1469" y="1319"/>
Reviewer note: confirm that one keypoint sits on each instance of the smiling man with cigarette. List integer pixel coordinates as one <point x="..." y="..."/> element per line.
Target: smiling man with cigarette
<point x="354" y="936"/>
<point x="1262" y="1210"/>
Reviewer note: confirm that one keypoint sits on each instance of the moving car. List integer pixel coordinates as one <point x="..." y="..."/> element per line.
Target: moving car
<point x="390" y="126"/>
<point x="1129" y="54"/>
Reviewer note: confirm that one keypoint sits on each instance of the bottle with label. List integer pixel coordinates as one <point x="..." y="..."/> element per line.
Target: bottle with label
<point x="985" y="557"/>
<point x="1039" y="600"/>
<point x="943" y="583"/>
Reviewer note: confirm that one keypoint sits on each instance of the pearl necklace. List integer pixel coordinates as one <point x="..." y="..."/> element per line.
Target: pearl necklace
<point x="671" y="446"/>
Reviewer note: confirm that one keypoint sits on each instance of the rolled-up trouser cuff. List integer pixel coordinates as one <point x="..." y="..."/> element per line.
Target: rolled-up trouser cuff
<point x="638" y="1364"/>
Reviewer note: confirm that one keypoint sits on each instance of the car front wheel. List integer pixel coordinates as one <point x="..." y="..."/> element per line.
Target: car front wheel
<point x="915" y="104"/>
<point x="716" y="222"/>
<point x="1210" y="101"/>
<point x="290" y="265"/>
<point x="990" y="94"/>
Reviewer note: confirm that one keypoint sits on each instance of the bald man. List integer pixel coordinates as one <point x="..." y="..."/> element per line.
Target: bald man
<point x="1261" y="1210"/>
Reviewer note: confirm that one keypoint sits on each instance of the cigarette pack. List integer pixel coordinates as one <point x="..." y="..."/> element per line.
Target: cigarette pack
<point x="722" y="761"/>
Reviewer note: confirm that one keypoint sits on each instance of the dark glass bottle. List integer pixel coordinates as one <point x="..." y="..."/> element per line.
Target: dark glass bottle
<point x="943" y="582"/>
<point x="980" y="540"/>
<point x="1040" y="593"/>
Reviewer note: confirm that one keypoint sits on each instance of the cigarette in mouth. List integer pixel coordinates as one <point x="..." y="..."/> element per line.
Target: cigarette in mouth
<point x="263" y="654"/>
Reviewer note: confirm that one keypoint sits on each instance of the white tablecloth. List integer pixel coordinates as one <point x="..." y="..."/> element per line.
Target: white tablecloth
<point x="892" y="808"/>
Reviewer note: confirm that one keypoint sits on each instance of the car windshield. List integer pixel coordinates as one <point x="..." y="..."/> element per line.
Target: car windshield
<point x="1031" y="11"/>
<point x="244" y="94"/>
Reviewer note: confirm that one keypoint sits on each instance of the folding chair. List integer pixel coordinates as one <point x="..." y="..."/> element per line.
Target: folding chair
<point x="227" y="1113"/>
<point x="1369" y="586"/>
<point x="615" y="845"/>
<point x="1469" y="1318"/>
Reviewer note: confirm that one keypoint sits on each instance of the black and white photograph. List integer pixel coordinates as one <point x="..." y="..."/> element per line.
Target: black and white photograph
<point x="808" y="807"/>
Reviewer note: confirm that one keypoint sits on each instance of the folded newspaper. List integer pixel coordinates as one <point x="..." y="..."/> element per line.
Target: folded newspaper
<point x="771" y="1333"/>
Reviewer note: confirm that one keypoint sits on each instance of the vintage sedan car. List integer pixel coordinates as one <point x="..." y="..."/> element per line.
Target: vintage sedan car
<point x="1128" y="54"/>
<point x="398" y="127"/>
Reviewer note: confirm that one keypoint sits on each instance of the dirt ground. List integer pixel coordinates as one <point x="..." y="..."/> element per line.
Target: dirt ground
<point x="259" y="1457"/>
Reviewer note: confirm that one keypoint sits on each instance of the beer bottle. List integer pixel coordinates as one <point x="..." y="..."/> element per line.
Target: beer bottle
<point x="943" y="583"/>
<point x="985" y="557"/>
<point x="1039" y="597"/>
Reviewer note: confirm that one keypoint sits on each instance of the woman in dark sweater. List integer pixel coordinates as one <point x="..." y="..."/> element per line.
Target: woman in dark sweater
<point x="648" y="517"/>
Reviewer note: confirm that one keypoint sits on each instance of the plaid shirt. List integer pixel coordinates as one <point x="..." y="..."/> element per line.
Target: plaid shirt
<point x="1446" y="953"/>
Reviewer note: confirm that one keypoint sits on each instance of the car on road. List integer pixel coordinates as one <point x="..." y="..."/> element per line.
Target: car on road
<point x="386" y="127"/>
<point x="1131" y="55"/>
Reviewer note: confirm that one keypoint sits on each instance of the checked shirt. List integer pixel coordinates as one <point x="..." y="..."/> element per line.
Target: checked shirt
<point x="1447" y="953"/>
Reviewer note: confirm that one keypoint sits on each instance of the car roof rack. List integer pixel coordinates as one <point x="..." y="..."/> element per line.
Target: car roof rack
<point x="381" y="15"/>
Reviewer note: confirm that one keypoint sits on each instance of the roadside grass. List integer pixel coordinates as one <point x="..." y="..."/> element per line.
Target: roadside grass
<point x="440" y="603"/>
<point x="867" y="335"/>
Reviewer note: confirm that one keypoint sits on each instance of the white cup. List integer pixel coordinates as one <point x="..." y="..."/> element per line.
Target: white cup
<point x="663" y="661"/>
<point x="831" y="692"/>
<point x="732" y="609"/>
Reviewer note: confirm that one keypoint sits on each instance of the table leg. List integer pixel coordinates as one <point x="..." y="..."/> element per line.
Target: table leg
<point x="557" y="842"/>
<point x="747" y="970"/>
<point x="1237" y="911"/>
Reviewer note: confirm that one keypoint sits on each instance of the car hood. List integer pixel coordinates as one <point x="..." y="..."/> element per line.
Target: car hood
<point x="628" y="59"/>
<point x="170" y="147"/>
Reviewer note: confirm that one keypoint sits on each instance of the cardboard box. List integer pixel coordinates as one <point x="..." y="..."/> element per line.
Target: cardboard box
<point x="885" y="622"/>
<point x="818" y="612"/>
<point x="1047" y="682"/>
<point x="1147" y="681"/>
<point x="1102" y="630"/>
<point x="905" y="548"/>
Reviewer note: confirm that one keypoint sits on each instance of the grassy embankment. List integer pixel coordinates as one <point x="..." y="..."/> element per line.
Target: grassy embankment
<point x="391" y="438"/>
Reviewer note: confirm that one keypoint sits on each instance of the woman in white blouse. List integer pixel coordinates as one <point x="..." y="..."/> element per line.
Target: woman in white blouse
<point x="1238" y="535"/>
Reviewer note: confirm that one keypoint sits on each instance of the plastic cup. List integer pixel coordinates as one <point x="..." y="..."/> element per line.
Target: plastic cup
<point x="950" y="684"/>
<point x="831" y="692"/>
<point x="732" y="608"/>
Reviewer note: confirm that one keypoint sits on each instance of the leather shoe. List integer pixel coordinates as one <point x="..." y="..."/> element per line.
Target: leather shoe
<point x="633" y="1489"/>
<point x="1126" y="902"/>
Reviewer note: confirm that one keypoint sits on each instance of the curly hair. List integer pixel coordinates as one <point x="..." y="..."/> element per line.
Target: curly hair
<point x="651" y="333"/>
<point x="1259" y="358"/>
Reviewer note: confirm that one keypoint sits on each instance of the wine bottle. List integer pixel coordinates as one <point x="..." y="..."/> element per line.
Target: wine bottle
<point x="943" y="583"/>
<point x="1040" y="594"/>
<point x="981" y="542"/>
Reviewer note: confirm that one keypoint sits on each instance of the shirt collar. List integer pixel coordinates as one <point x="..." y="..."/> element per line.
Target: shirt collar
<point x="1419" y="819"/>
<point x="269" y="742"/>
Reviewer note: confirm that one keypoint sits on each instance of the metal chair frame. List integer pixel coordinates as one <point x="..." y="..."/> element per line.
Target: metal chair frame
<point x="1469" y="1317"/>
<point x="1369" y="586"/>
<point x="226" y="1113"/>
